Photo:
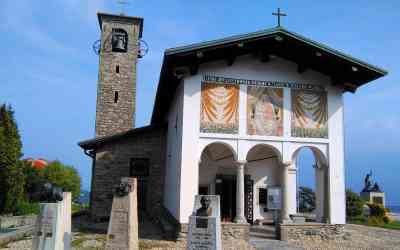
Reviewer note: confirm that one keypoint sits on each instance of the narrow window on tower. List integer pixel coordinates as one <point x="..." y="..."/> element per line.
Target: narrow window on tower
<point x="117" y="69"/>
<point x="115" y="96"/>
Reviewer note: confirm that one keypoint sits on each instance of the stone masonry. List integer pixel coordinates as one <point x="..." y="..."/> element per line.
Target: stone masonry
<point x="117" y="76"/>
<point x="112" y="161"/>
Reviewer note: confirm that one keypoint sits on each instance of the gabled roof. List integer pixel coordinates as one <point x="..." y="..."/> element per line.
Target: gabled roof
<point x="345" y="71"/>
<point x="95" y="142"/>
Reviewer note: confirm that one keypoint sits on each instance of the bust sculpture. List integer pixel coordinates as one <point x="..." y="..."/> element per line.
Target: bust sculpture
<point x="205" y="209"/>
<point x="122" y="189"/>
<point x="50" y="193"/>
<point x="368" y="187"/>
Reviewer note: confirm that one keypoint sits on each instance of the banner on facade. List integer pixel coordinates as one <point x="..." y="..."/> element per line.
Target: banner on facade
<point x="309" y="114"/>
<point x="219" y="108"/>
<point x="264" y="111"/>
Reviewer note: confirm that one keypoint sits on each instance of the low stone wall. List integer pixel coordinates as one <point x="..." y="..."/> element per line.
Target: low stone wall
<point x="311" y="232"/>
<point x="17" y="221"/>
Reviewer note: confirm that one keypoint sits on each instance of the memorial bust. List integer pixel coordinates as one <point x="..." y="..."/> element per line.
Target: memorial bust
<point x="122" y="189"/>
<point x="205" y="209"/>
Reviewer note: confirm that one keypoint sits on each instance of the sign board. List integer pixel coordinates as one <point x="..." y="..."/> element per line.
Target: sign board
<point x="274" y="197"/>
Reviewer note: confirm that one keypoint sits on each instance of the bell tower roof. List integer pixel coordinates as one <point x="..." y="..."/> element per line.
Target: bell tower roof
<point x="121" y="18"/>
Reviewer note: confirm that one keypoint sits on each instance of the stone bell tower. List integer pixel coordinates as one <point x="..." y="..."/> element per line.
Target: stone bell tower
<point x="116" y="92"/>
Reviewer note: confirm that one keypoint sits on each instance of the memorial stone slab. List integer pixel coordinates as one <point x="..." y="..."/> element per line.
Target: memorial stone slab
<point x="205" y="224"/>
<point x="53" y="225"/>
<point x="46" y="227"/>
<point x="123" y="227"/>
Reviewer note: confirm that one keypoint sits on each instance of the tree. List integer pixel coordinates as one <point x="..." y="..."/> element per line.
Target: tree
<point x="354" y="204"/>
<point x="63" y="176"/>
<point x="306" y="199"/>
<point x="11" y="170"/>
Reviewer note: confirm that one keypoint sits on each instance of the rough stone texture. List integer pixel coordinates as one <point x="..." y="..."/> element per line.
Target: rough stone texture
<point x="311" y="232"/>
<point x="117" y="117"/>
<point x="112" y="162"/>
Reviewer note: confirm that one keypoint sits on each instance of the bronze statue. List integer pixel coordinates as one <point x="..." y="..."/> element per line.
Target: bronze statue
<point x="50" y="193"/>
<point x="368" y="187"/>
<point x="205" y="209"/>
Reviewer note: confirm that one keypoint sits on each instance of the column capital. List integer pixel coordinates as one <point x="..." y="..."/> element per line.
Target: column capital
<point x="241" y="163"/>
<point x="287" y="163"/>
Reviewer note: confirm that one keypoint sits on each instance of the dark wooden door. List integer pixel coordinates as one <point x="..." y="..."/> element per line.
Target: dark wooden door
<point x="139" y="168"/>
<point x="226" y="188"/>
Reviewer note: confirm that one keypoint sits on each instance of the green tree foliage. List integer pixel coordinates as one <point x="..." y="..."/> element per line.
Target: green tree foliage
<point x="63" y="176"/>
<point x="354" y="204"/>
<point x="11" y="170"/>
<point x="306" y="199"/>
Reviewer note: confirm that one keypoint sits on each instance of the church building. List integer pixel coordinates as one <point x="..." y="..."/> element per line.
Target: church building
<point x="229" y="119"/>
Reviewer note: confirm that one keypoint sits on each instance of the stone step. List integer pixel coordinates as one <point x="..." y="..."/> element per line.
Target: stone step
<point x="255" y="235"/>
<point x="266" y="244"/>
<point x="263" y="229"/>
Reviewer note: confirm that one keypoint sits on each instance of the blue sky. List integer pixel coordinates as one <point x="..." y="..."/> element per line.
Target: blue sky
<point x="48" y="71"/>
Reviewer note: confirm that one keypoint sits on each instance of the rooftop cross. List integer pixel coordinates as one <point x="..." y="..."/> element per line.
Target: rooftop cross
<point x="279" y="14"/>
<point x="122" y="3"/>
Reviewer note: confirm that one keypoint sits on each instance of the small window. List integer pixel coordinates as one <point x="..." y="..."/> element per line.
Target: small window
<point x="117" y="69"/>
<point x="115" y="96"/>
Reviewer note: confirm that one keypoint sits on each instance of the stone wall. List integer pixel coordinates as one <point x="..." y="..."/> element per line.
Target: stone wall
<point x="311" y="232"/>
<point x="112" y="161"/>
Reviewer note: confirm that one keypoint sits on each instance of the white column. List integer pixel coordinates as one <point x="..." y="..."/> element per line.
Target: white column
<point x="240" y="218"/>
<point x="285" y="193"/>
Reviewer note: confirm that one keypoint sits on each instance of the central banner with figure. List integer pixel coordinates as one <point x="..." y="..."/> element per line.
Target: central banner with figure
<point x="264" y="111"/>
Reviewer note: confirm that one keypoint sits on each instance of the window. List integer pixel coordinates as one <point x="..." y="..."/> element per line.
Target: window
<point x="117" y="69"/>
<point x="115" y="96"/>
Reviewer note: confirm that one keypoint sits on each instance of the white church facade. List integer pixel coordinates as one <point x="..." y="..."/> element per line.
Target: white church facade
<point x="230" y="118"/>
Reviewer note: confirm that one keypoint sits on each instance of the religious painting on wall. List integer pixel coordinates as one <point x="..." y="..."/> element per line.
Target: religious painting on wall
<point x="264" y="111"/>
<point x="219" y="108"/>
<point x="309" y="114"/>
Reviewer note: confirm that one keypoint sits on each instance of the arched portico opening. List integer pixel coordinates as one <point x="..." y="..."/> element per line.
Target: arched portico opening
<point x="262" y="172"/>
<point x="312" y="172"/>
<point x="217" y="176"/>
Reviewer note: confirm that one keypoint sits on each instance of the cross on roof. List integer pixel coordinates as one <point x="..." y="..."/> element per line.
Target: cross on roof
<point x="279" y="14"/>
<point x="122" y="3"/>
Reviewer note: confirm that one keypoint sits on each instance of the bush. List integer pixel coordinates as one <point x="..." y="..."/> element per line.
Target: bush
<point x="354" y="204"/>
<point x="306" y="199"/>
<point x="376" y="210"/>
<point x="25" y="208"/>
<point x="375" y="221"/>
<point x="63" y="176"/>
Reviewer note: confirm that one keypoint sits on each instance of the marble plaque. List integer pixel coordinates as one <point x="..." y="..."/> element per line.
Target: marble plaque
<point x="205" y="224"/>
<point x="123" y="227"/>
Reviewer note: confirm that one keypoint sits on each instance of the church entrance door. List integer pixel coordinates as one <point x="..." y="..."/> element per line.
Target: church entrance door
<point x="139" y="168"/>
<point x="225" y="187"/>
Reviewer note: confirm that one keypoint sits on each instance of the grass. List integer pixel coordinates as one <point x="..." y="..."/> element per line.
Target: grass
<point x="363" y="221"/>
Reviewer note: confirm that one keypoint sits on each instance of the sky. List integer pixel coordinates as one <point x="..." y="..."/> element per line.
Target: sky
<point x="48" y="70"/>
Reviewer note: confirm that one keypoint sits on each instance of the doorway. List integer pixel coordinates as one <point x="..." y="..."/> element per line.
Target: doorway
<point x="139" y="168"/>
<point x="225" y="187"/>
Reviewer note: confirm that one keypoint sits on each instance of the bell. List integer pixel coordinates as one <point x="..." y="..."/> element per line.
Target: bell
<point x="119" y="42"/>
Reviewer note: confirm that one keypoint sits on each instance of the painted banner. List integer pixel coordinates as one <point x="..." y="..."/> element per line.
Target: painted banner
<point x="264" y="111"/>
<point x="309" y="114"/>
<point x="219" y="108"/>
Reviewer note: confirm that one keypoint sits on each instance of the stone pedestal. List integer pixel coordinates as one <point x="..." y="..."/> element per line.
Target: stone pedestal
<point x="53" y="226"/>
<point x="204" y="231"/>
<point x="46" y="227"/>
<point x="123" y="227"/>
